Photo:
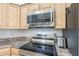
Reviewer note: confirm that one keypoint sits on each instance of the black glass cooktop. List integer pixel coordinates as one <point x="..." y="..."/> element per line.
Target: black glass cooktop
<point x="40" y="48"/>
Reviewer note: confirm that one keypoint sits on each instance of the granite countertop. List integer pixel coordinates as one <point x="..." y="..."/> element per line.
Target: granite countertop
<point x="19" y="41"/>
<point x="63" y="52"/>
<point x="14" y="42"/>
<point x="5" y="43"/>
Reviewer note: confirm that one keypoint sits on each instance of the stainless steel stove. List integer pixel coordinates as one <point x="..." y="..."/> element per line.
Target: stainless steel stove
<point x="39" y="46"/>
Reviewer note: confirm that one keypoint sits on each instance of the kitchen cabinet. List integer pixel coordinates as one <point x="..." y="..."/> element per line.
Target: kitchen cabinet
<point x="3" y="16"/>
<point x="46" y="6"/>
<point x="1" y="13"/>
<point x="60" y="22"/>
<point x="9" y="52"/>
<point x="33" y="7"/>
<point x="14" y="52"/>
<point x="4" y="51"/>
<point x="13" y="17"/>
<point x="24" y="12"/>
<point x="9" y="16"/>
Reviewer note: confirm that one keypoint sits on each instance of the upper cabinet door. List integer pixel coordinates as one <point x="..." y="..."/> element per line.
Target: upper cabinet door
<point x="46" y="6"/>
<point x="3" y="16"/>
<point x="33" y="7"/>
<point x="14" y="17"/>
<point x="60" y="22"/>
<point x="24" y="11"/>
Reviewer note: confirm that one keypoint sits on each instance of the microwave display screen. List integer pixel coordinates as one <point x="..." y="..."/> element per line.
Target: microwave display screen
<point x="42" y="17"/>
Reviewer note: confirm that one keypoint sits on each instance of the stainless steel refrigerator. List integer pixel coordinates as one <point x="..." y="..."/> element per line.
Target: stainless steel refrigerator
<point x="71" y="33"/>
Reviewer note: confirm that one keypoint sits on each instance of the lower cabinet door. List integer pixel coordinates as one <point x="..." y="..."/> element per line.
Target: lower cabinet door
<point x="14" y="52"/>
<point x="5" y="52"/>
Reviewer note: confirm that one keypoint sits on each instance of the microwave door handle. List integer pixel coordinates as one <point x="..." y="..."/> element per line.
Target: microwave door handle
<point x="51" y="17"/>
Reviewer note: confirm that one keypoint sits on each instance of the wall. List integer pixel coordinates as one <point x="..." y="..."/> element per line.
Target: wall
<point x="27" y="33"/>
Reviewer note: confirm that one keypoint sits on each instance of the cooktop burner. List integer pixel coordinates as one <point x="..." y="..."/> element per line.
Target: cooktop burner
<point x="40" y="48"/>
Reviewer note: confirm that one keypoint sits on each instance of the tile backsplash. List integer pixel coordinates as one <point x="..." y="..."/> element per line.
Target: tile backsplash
<point x="7" y="33"/>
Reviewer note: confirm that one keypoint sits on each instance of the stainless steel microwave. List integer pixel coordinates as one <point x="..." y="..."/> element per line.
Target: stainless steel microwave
<point x="41" y="18"/>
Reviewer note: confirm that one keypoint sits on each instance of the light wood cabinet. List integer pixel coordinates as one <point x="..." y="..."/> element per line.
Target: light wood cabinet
<point x="60" y="22"/>
<point x="24" y="12"/>
<point x="5" y="52"/>
<point x="14" y="52"/>
<point x="3" y="16"/>
<point x="4" y="23"/>
<point x="9" y="16"/>
<point x="33" y="7"/>
<point x="9" y="52"/>
<point x="46" y="6"/>
<point x="13" y="17"/>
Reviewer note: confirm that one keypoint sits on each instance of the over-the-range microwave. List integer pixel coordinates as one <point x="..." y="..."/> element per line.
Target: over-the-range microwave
<point x="42" y="18"/>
